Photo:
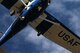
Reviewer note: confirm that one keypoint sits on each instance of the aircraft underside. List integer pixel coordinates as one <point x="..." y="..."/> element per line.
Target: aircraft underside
<point x="33" y="12"/>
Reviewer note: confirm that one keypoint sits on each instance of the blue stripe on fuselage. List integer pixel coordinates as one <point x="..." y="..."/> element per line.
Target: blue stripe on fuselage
<point x="25" y="11"/>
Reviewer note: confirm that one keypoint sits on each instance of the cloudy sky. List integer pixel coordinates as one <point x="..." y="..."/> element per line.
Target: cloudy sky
<point x="27" y="41"/>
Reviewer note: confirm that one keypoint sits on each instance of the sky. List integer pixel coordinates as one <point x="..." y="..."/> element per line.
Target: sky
<point x="27" y="41"/>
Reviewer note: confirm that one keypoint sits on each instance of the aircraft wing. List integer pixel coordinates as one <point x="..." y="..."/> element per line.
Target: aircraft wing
<point x="56" y="32"/>
<point x="15" y="6"/>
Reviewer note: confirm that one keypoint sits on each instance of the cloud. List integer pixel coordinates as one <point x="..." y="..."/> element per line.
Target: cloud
<point x="75" y="22"/>
<point x="71" y="0"/>
<point x="5" y="20"/>
<point x="43" y="44"/>
<point x="67" y="11"/>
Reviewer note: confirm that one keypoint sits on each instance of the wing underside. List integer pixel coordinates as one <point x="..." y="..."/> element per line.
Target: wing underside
<point x="57" y="32"/>
<point x="13" y="5"/>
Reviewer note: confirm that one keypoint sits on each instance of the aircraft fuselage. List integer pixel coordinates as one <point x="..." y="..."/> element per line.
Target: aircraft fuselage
<point x="30" y="13"/>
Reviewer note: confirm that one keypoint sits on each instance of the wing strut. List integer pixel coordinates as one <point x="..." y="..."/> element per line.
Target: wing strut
<point x="48" y="20"/>
<point x="23" y="3"/>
